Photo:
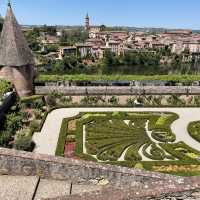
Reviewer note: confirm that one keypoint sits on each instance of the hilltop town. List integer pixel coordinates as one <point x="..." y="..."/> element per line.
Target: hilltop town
<point x="98" y="113"/>
<point x="97" y="39"/>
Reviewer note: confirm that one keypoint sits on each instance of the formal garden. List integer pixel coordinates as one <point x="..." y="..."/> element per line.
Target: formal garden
<point x="141" y="140"/>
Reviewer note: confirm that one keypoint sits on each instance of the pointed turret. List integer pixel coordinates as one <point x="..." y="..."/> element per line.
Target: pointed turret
<point x="14" y="50"/>
<point x="16" y="58"/>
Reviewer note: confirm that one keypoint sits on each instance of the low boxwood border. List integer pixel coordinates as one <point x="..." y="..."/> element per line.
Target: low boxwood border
<point x="193" y="130"/>
<point x="63" y="135"/>
<point x="62" y="138"/>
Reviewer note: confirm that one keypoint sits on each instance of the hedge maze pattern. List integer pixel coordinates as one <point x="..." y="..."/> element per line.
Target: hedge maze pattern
<point x="132" y="137"/>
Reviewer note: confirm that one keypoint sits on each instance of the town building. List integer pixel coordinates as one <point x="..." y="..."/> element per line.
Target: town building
<point x="67" y="51"/>
<point x="16" y="59"/>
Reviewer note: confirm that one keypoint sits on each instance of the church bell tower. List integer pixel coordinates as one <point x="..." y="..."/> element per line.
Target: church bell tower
<point x="87" y="22"/>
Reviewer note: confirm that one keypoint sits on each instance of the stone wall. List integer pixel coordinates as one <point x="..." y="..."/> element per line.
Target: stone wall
<point x="119" y="90"/>
<point x="122" y="183"/>
<point x="22" y="163"/>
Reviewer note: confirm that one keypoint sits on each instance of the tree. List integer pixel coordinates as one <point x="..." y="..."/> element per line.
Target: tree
<point x="33" y="39"/>
<point x="49" y="30"/>
<point x="73" y="36"/>
<point x="103" y="27"/>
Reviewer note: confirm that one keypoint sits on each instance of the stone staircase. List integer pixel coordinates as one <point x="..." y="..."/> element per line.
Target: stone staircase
<point x="34" y="188"/>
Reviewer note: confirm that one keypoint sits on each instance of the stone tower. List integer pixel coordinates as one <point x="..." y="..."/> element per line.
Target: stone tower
<point x="87" y="22"/>
<point x="16" y="59"/>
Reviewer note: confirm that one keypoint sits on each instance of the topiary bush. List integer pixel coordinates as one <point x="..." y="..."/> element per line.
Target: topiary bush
<point x="24" y="143"/>
<point x="194" y="130"/>
<point x="34" y="125"/>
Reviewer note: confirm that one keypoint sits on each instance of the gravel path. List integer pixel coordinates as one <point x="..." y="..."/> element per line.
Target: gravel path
<point x="46" y="140"/>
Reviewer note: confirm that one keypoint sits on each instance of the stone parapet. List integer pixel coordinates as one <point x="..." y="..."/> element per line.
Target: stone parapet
<point x="189" y="190"/>
<point x="14" y="162"/>
<point x="112" y="90"/>
<point x="121" y="183"/>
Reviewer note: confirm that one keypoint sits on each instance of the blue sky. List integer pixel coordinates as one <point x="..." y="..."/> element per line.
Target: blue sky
<point x="139" y="13"/>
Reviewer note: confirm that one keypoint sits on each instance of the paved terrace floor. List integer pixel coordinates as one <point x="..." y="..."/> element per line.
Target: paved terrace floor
<point x="33" y="188"/>
<point x="46" y="140"/>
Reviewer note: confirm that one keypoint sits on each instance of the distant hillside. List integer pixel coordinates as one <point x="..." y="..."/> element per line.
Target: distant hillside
<point x="122" y="28"/>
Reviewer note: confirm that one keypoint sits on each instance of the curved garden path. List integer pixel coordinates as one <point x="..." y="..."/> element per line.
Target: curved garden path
<point x="46" y="140"/>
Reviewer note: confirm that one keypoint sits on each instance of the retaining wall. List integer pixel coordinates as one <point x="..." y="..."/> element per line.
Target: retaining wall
<point x="123" y="183"/>
<point x="119" y="90"/>
<point x="29" y="164"/>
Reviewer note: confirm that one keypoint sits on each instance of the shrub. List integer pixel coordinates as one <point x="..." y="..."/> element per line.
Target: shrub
<point x="66" y="100"/>
<point x="23" y="133"/>
<point x="5" y="86"/>
<point x="194" y="130"/>
<point x="51" y="101"/>
<point x="34" y="125"/>
<point x="139" y="166"/>
<point x="5" y="138"/>
<point x="13" y="122"/>
<point x="130" y="102"/>
<point x="38" y="114"/>
<point x="56" y="94"/>
<point x="24" y="143"/>
<point x="38" y="104"/>
<point x="113" y="100"/>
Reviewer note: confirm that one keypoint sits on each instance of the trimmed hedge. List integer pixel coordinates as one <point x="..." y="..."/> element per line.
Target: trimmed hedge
<point x="194" y="130"/>
<point x="31" y="98"/>
<point x="113" y="142"/>
<point x="62" y="138"/>
<point x="182" y="151"/>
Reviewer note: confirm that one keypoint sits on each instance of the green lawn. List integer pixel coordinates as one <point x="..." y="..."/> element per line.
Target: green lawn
<point x="83" y="77"/>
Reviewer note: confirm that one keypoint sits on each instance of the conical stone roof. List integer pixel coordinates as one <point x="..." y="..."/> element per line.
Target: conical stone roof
<point x="14" y="50"/>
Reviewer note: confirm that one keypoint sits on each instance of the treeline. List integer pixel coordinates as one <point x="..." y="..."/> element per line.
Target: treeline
<point x="130" y="63"/>
<point x="148" y="63"/>
<point x="71" y="37"/>
<point x="70" y="65"/>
